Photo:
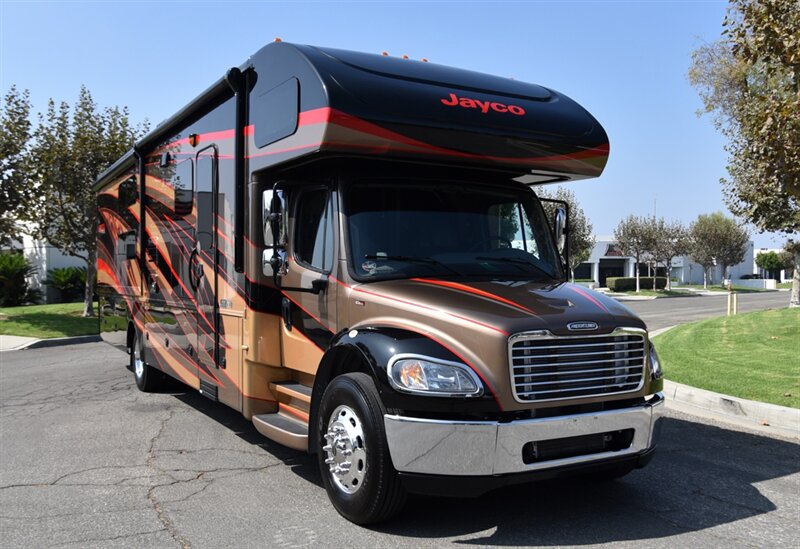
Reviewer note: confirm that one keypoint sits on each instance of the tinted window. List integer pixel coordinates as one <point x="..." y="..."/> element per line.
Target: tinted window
<point x="182" y="183"/>
<point x="314" y="230"/>
<point x="275" y="113"/>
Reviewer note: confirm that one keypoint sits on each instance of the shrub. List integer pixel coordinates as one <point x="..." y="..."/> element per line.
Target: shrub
<point x="15" y="269"/>
<point x="627" y="284"/>
<point x="69" y="281"/>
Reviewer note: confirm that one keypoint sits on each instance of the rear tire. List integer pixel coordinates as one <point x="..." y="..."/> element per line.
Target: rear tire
<point x="148" y="379"/>
<point x="354" y="460"/>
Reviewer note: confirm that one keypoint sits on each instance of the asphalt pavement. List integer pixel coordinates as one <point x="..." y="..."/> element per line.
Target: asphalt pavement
<point x="670" y="311"/>
<point x="89" y="461"/>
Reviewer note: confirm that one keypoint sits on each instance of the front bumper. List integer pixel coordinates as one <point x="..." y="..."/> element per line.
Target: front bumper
<point x="488" y="448"/>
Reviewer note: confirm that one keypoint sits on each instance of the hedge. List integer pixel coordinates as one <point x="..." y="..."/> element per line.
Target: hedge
<point x="627" y="284"/>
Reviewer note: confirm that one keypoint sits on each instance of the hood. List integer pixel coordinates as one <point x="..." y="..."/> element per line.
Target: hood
<point x="475" y="319"/>
<point x="514" y="306"/>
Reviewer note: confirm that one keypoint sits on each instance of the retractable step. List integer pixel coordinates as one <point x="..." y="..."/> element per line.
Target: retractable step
<point x="294" y="399"/>
<point x="283" y="429"/>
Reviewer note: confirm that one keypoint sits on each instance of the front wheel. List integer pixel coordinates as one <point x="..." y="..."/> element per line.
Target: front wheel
<point x="354" y="459"/>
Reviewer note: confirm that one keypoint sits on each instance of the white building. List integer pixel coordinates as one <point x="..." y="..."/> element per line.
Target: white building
<point x="607" y="261"/>
<point x="44" y="257"/>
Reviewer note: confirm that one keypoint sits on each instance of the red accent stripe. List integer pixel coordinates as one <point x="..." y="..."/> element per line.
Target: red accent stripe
<point x="419" y="305"/>
<point x="590" y="297"/>
<point x="475" y="291"/>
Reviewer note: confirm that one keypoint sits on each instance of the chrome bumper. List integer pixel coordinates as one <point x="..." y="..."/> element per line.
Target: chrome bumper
<point x="472" y="448"/>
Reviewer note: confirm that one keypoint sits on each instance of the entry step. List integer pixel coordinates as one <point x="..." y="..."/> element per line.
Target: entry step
<point x="283" y="429"/>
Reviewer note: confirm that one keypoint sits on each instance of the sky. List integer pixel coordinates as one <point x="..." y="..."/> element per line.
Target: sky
<point x="626" y="62"/>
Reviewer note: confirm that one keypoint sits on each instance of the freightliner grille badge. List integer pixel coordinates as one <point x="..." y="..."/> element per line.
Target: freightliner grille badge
<point x="581" y="326"/>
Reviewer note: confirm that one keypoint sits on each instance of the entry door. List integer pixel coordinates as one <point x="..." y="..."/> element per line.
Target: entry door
<point x="309" y="320"/>
<point x="203" y="271"/>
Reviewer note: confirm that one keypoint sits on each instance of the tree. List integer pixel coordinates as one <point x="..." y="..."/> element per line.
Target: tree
<point x="770" y="262"/>
<point x="716" y="239"/>
<point x="733" y="242"/>
<point x="668" y="240"/>
<point x="793" y="247"/>
<point x="580" y="236"/>
<point x="71" y="147"/>
<point x="15" y="134"/>
<point x="750" y="80"/>
<point x="633" y="236"/>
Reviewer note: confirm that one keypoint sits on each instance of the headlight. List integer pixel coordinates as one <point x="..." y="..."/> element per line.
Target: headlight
<point x="434" y="377"/>
<point x="655" y="364"/>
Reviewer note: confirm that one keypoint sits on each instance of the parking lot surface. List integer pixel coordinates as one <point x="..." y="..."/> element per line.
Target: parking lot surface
<point x="89" y="461"/>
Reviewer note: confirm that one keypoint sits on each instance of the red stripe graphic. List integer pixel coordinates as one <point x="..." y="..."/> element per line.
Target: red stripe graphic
<point x="475" y="291"/>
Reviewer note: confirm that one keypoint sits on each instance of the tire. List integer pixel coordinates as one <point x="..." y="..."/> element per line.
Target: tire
<point x="350" y="418"/>
<point x="148" y="379"/>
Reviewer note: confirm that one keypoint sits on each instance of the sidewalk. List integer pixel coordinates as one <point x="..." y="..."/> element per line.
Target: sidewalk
<point x="19" y="343"/>
<point x="14" y="343"/>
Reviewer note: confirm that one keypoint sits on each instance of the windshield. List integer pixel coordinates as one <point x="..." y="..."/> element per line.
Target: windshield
<point x="402" y="230"/>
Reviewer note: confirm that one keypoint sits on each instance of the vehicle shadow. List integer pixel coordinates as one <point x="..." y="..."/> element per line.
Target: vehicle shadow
<point x="702" y="476"/>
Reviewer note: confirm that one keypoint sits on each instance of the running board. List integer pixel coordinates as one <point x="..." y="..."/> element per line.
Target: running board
<point x="283" y="429"/>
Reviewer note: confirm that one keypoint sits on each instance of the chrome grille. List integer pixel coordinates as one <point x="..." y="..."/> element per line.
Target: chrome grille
<point x="546" y="367"/>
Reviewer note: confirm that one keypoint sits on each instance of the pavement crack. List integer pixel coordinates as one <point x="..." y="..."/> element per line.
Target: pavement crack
<point x="161" y="513"/>
<point x="113" y="538"/>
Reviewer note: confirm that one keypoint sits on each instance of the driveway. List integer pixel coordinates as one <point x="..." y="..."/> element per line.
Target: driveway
<point x="89" y="461"/>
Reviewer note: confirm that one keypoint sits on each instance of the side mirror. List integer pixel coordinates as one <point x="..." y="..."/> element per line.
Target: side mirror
<point x="272" y="215"/>
<point x="272" y="218"/>
<point x="560" y="227"/>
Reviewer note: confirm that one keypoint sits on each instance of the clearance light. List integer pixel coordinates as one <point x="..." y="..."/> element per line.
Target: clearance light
<point x="433" y="377"/>
<point x="277" y="39"/>
<point x="405" y="57"/>
<point x="655" y="363"/>
<point x="384" y="53"/>
<point x="424" y="60"/>
<point x="194" y="139"/>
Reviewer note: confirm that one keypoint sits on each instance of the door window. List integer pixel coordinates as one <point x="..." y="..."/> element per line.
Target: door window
<point x="313" y="242"/>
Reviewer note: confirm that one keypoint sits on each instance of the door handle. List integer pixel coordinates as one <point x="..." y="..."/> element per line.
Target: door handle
<point x="286" y="311"/>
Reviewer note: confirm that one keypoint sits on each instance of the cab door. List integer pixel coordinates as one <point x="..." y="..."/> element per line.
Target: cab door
<point x="309" y="319"/>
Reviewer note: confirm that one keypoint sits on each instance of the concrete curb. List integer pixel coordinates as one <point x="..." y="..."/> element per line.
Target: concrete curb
<point x="58" y="341"/>
<point x="740" y="410"/>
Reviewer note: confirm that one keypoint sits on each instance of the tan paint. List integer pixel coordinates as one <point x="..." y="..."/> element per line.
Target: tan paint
<point x="299" y="352"/>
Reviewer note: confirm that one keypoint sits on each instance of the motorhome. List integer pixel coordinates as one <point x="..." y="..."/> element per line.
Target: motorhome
<point x="349" y="250"/>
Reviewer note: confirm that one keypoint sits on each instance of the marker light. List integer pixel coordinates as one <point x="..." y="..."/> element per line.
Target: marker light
<point x="655" y="363"/>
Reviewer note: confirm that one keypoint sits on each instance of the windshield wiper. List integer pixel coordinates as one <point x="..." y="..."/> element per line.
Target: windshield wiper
<point x="516" y="261"/>
<point x="412" y="259"/>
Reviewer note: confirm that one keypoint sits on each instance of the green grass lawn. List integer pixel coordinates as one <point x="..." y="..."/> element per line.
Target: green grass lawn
<point x="46" y="321"/>
<point x="785" y="285"/>
<point x="754" y="355"/>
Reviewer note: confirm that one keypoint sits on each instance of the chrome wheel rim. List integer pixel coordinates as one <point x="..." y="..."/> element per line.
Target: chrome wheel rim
<point x="345" y="450"/>
<point x="138" y="363"/>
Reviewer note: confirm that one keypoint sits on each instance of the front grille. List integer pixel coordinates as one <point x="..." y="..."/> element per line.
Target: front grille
<point x="546" y="367"/>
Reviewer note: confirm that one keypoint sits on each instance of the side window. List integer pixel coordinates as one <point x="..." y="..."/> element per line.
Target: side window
<point x="182" y="183"/>
<point x="275" y="113"/>
<point x="313" y="235"/>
